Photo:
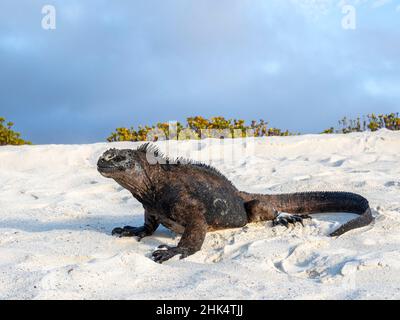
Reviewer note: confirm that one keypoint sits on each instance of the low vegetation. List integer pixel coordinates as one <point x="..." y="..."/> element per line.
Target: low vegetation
<point x="371" y="122"/>
<point x="216" y="127"/>
<point x="198" y="128"/>
<point x="9" y="136"/>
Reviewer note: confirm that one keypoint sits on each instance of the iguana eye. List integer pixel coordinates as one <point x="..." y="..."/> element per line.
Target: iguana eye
<point x="109" y="157"/>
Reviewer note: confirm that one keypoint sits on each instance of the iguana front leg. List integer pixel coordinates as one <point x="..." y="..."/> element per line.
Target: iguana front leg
<point x="191" y="242"/>
<point x="150" y="225"/>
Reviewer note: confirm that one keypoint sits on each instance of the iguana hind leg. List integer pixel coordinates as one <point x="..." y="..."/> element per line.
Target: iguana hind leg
<point x="285" y="219"/>
<point x="258" y="210"/>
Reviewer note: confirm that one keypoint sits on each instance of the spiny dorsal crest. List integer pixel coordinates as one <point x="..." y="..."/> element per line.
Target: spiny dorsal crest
<point x="157" y="157"/>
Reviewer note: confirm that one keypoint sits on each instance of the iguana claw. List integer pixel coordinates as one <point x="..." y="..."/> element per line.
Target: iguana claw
<point x="167" y="253"/>
<point x="285" y="219"/>
<point x="128" y="231"/>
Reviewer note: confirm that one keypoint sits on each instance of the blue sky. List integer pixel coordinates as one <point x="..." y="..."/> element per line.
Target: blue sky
<point x="121" y="63"/>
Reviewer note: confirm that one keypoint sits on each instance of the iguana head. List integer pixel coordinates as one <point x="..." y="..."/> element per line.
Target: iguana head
<point x="114" y="163"/>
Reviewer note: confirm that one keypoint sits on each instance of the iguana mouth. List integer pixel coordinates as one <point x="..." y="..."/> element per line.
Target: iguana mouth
<point x="107" y="169"/>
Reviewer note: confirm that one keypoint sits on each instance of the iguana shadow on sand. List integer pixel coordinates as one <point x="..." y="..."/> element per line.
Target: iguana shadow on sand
<point x="191" y="199"/>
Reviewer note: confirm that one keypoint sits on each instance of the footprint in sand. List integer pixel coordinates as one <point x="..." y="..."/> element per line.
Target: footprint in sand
<point x="307" y="261"/>
<point x="392" y="184"/>
<point x="334" y="161"/>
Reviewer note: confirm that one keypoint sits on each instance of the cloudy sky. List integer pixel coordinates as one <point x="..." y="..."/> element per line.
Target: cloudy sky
<point x="129" y="62"/>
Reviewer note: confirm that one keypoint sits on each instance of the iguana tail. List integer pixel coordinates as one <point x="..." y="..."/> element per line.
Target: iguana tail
<point x="321" y="202"/>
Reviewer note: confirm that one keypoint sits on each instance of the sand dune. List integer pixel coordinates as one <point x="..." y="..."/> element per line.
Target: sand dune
<point x="57" y="212"/>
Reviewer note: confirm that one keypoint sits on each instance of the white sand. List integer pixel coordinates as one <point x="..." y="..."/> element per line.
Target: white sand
<point x="57" y="212"/>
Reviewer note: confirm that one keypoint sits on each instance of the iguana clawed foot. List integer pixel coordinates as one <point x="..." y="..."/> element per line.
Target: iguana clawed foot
<point x="166" y="252"/>
<point x="285" y="219"/>
<point x="127" y="231"/>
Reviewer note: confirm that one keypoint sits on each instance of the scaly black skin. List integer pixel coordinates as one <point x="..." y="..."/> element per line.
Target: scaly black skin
<point x="192" y="198"/>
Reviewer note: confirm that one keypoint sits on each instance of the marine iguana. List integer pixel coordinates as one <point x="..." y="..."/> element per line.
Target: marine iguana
<point x="192" y="198"/>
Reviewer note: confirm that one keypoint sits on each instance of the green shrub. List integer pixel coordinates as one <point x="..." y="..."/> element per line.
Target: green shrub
<point x="371" y="122"/>
<point x="193" y="130"/>
<point x="238" y="127"/>
<point x="8" y="136"/>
